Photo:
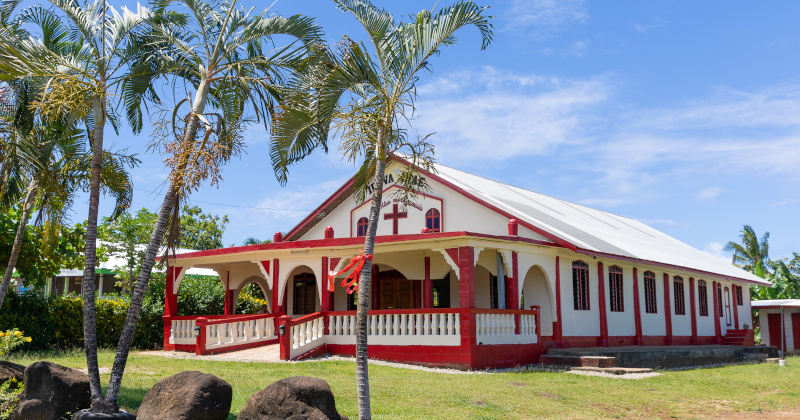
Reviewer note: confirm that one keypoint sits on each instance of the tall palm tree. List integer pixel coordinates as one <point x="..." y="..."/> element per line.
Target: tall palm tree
<point x="751" y="254"/>
<point x="381" y="93"/>
<point x="225" y="53"/>
<point x="83" y="59"/>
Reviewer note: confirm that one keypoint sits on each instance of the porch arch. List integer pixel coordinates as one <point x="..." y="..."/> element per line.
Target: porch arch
<point x="262" y="284"/>
<point x="536" y="291"/>
<point x="302" y="273"/>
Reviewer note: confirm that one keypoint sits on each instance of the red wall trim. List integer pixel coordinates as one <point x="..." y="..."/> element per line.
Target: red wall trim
<point x="692" y="298"/>
<point x="717" y="328"/>
<point x="276" y="306"/>
<point x="637" y="308"/>
<point x="735" y="306"/>
<point x="513" y="291"/>
<point x="601" y="296"/>
<point x="326" y="299"/>
<point x="558" y="333"/>
<point x="667" y="308"/>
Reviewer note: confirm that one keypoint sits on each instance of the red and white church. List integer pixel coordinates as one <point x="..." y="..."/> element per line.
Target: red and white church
<point x="475" y="274"/>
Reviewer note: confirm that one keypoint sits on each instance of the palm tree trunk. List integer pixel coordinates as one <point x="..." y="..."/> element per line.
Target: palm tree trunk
<point x="364" y="285"/>
<point x="142" y="281"/>
<point x="27" y="207"/>
<point x="89" y="319"/>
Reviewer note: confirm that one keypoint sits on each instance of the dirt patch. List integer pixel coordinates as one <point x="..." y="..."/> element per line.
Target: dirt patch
<point x="479" y="403"/>
<point x="517" y="384"/>
<point x="780" y="414"/>
<point x="549" y="395"/>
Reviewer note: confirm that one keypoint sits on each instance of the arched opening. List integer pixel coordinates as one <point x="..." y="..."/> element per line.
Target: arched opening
<point x="252" y="295"/>
<point x="301" y="296"/>
<point x="361" y="226"/>
<point x="536" y="292"/>
<point x="486" y="290"/>
<point x="433" y="220"/>
<point x="201" y="295"/>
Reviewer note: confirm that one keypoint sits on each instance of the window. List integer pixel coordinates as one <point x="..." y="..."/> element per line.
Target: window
<point x="305" y="294"/>
<point x="680" y="303"/>
<point x="433" y="220"/>
<point x="719" y="300"/>
<point x="361" y="227"/>
<point x="650" y="305"/>
<point x="441" y="292"/>
<point x="702" y="294"/>
<point x="615" y="288"/>
<point x="494" y="302"/>
<point x="580" y="285"/>
<point x="739" y="298"/>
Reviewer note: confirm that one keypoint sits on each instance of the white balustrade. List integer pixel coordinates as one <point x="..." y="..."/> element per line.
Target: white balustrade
<point x="499" y="328"/>
<point x="235" y="332"/>
<point x="421" y="329"/>
<point x="311" y="334"/>
<point x="182" y="331"/>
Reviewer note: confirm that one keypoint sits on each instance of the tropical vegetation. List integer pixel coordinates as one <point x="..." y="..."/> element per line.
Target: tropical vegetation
<point x="752" y="254"/>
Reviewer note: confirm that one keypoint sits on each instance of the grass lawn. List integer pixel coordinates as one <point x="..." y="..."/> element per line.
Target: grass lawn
<point x="403" y="393"/>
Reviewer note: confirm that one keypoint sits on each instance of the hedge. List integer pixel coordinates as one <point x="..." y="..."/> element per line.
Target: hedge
<point x="57" y="321"/>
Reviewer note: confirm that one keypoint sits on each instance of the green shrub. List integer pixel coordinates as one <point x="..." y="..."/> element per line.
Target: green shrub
<point x="9" y="397"/>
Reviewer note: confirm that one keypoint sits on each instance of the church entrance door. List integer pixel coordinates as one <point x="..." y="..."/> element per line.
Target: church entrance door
<point x="774" y="323"/>
<point x="395" y="291"/>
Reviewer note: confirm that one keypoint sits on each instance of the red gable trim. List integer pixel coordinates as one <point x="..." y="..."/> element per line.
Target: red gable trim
<point x="664" y="265"/>
<point x="322" y="207"/>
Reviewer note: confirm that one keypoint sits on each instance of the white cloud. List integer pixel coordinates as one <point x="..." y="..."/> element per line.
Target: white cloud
<point x="707" y="194"/>
<point x="506" y="114"/>
<point x="715" y="250"/>
<point x="547" y="14"/>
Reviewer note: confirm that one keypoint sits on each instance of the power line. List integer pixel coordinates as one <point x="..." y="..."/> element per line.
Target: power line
<point x="227" y="205"/>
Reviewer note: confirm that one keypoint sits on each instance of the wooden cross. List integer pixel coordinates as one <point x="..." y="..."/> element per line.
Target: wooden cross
<point x="395" y="216"/>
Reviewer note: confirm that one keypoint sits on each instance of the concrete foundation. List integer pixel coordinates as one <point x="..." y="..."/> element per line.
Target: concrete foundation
<point x="660" y="357"/>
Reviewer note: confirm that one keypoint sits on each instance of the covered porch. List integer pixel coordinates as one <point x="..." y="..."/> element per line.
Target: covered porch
<point x="441" y="299"/>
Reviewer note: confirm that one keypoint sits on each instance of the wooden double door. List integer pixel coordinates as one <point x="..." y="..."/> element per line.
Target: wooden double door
<point x="394" y="291"/>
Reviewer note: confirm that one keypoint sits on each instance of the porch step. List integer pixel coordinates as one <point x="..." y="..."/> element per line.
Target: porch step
<point x="579" y="361"/>
<point x="738" y="338"/>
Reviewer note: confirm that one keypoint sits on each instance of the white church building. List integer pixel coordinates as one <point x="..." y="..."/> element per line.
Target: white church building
<point x="475" y="274"/>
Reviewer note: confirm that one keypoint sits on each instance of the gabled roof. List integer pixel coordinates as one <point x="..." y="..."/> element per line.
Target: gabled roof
<point x="579" y="228"/>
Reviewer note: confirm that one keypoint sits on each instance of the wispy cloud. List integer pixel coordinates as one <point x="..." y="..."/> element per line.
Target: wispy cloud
<point x="707" y="194"/>
<point x="547" y="14"/>
<point x="715" y="250"/>
<point x="507" y="115"/>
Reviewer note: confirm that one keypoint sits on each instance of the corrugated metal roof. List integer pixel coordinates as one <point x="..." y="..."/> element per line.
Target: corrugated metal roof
<point x="792" y="303"/>
<point x="591" y="229"/>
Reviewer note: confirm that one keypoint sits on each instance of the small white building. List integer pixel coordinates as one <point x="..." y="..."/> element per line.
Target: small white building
<point x="769" y="315"/>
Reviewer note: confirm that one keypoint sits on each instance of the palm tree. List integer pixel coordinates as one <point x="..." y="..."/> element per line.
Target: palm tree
<point x="57" y="165"/>
<point x="751" y="254"/>
<point x="381" y="94"/>
<point x="82" y="60"/>
<point x="223" y="52"/>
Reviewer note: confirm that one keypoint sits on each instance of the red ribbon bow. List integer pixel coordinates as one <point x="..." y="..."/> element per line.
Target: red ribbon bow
<point x="351" y="282"/>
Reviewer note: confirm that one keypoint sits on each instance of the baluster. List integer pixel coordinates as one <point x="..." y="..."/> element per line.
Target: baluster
<point x="448" y="330"/>
<point x="403" y="324"/>
<point x="418" y="324"/>
<point x="381" y="318"/>
<point x="495" y="324"/>
<point x="435" y="324"/>
<point x="346" y="325"/>
<point x="373" y="325"/>
<point x="458" y="324"/>
<point x="309" y="331"/>
<point x="352" y="324"/>
<point x="335" y="320"/>
<point x="523" y="324"/>
<point x="479" y="324"/>
<point x="320" y="328"/>
<point x="396" y="324"/>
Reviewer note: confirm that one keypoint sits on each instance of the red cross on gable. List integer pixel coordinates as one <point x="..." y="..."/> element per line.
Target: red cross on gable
<point x="395" y="216"/>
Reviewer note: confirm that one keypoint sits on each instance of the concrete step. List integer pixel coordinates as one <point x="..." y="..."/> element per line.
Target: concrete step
<point x="755" y="357"/>
<point x="611" y="370"/>
<point x="580" y="361"/>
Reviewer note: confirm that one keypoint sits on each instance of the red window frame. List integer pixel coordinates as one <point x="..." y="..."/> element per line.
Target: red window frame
<point x="361" y="226"/>
<point x="739" y="298"/>
<point x="680" y="301"/>
<point x="615" y="290"/>
<point x="702" y="297"/>
<point x="650" y="303"/>
<point x="433" y="220"/>
<point x="580" y="285"/>
<point x="719" y="299"/>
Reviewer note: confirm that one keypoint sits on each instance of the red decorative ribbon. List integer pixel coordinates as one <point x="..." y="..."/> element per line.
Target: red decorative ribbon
<point x="351" y="282"/>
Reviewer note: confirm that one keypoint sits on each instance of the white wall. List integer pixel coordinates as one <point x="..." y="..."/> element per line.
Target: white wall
<point x="681" y="324"/>
<point x="579" y="322"/>
<point x="787" y="319"/>
<point x="620" y="323"/>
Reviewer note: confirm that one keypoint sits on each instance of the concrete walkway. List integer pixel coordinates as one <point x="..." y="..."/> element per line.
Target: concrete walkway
<point x="269" y="353"/>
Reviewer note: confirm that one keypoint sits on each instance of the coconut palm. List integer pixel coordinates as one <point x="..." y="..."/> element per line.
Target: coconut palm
<point x="751" y="254"/>
<point x="381" y="94"/>
<point x="82" y="60"/>
<point x="226" y="55"/>
<point x="57" y="166"/>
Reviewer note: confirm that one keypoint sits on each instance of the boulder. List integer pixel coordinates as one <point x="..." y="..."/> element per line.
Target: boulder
<point x="50" y="391"/>
<point x="187" y="395"/>
<point x="10" y="370"/>
<point x="298" y="397"/>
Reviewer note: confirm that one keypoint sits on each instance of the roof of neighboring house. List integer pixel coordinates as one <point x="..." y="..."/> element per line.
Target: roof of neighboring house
<point x="775" y="303"/>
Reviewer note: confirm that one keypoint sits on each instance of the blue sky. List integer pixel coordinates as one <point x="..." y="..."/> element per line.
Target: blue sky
<point x="683" y="115"/>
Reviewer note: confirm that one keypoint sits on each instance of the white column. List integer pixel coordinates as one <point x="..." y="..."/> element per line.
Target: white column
<point x="100" y="284"/>
<point x="66" y="285"/>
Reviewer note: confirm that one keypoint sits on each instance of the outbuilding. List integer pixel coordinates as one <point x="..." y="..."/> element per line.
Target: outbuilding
<point x="773" y="324"/>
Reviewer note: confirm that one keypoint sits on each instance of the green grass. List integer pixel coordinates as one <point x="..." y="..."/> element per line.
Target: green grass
<point x="403" y="393"/>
